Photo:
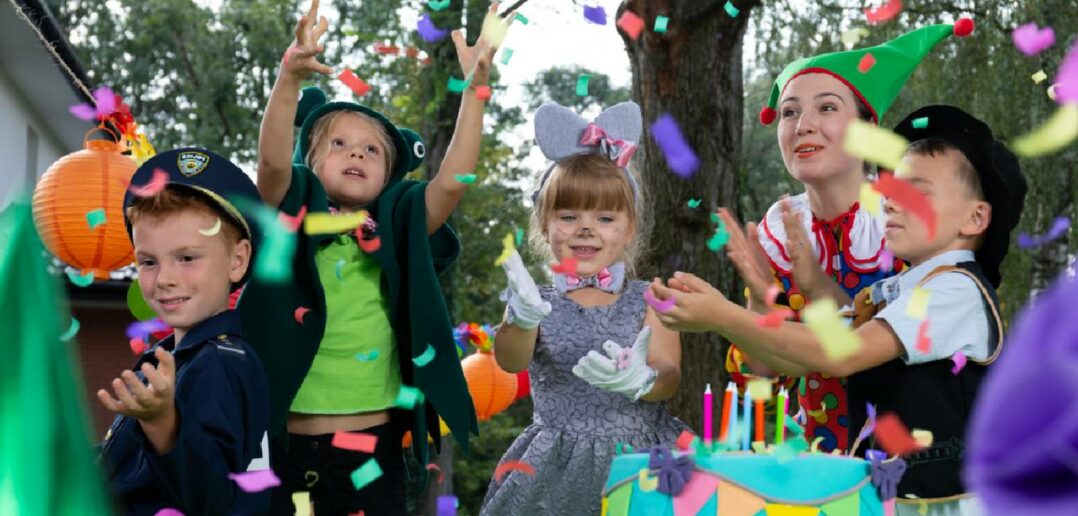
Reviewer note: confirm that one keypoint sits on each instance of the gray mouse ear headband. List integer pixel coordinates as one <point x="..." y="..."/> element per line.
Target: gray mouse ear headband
<point x="561" y="133"/>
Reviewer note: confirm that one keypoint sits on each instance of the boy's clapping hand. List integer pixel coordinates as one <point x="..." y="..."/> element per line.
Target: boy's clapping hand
<point x="148" y="402"/>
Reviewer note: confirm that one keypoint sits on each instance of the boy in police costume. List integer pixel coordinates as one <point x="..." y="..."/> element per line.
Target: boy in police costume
<point x="195" y="406"/>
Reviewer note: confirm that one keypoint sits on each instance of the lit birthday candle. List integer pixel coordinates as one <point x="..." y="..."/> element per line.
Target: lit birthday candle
<point x="731" y="434"/>
<point x="708" y="403"/>
<point x="746" y="434"/>
<point x="780" y="416"/>
<point x="724" y="423"/>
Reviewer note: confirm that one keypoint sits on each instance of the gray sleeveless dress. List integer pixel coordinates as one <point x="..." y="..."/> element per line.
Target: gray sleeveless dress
<point x="576" y="427"/>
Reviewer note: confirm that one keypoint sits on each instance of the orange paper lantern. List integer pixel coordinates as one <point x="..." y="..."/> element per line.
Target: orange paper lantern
<point x="492" y="388"/>
<point x="94" y="178"/>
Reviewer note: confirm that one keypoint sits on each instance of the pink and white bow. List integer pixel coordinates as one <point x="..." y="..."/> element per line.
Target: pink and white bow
<point x="618" y="150"/>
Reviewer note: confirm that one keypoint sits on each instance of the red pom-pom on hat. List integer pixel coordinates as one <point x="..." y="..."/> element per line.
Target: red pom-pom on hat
<point x="963" y="27"/>
<point x="767" y="115"/>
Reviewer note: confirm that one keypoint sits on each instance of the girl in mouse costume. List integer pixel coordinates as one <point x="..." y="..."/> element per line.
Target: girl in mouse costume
<point x="590" y="392"/>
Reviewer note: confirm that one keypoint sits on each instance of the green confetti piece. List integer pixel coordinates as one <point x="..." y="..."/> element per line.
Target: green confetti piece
<point x="80" y="280"/>
<point x="519" y="236"/>
<point x="731" y="10"/>
<point x="507" y="53"/>
<point x="582" y="85"/>
<point x="660" y="24"/>
<point x="438" y="5"/>
<point x="719" y="239"/>
<point x="71" y="330"/>
<point x="340" y="268"/>
<point x="468" y="179"/>
<point x="365" y="474"/>
<point x="715" y="218"/>
<point x="521" y="18"/>
<point x="425" y="358"/>
<point x="457" y="85"/>
<point x="622" y="448"/>
<point x="920" y="123"/>
<point x="367" y="357"/>
<point x="95" y="218"/>
<point x="694" y="203"/>
<point x="273" y="264"/>
<point x="408" y="397"/>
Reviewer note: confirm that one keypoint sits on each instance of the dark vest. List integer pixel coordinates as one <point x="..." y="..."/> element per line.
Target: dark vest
<point x="928" y="397"/>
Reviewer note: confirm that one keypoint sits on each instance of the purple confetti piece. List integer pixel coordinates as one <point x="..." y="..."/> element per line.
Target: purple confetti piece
<point x="595" y="14"/>
<point x="140" y="329"/>
<point x="1031" y="41"/>
<point x="168" y="512"/>
<point x="871" y="419"/>
<point x="887" y="260"/>
<point x="429" y="32"/>
<point x="106" y="101"/>
<point x="959" y="362"/>
<point x="1060" y="225"/>
<point x="447" y="505"/>
<point x="1067" y="78"/>
<point x="255" y="481"/>
<point x="871" y="455"/>
<point x="83" y="111"/>
<point x="679" y="156"/>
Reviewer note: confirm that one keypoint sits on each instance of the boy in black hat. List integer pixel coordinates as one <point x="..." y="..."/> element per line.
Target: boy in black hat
<point x="914" y="331"/>
<point x="195" y="407"/>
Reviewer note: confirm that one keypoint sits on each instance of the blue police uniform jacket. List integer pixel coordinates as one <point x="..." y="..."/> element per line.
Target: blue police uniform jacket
<point x="222" y="401"/>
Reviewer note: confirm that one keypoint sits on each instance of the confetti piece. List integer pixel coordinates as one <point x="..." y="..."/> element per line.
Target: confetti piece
<point x="434" y="467"/>
<point x="71" y="330"/>
<point x="884" y="12"/>
<point x="759" y="388"/>
<point x="507" y="250"/>
<point x="521" y="18"/>
<point x="917" y="308"/>
<point x="924" y="343"/>
<point x="273" y="263"/>
<point x="80" y="280"/>
<point x="292" y="222"/>
<point x="212" y="230"/>
<point x="365" y="474"/>
<point x="457" y="85"/>
<point x="595" y="14"/>
<point x="852" y="36"/>
<point x="893" y="436"/>
<point x="1066" y="81"/>
<point x="694" y="203"/>
<point x="582" y="85"/>
<point x="1059" y="227"/>
<point x="482" y="92"/>
<point x="360" y="442"/>
<point x="154" y="186"/>
<point x="95" y="218"/>
<point x="302" y="501"/>
<point x="1039" y="77"/>
<point x="631" y="24"/>
<point x="467" y="179"/>
<point x="685" y="439"/>
<point x="920" y="123"/>
<point x="438" y="5"/>
<point x="168" y="512"/>
<point x="679" y="156"/>
<point x="138" y="346"/>
<point x="408" y="397"/>
<point x="1058" y="132"/>
<point x="835" y="336"/>
<point x="870" y="422"/>
<point x="367" y="357"/>
<point x="447" y="505"/>
<point x="730" y="9"/>
<point x="255" y="481"/>
<point x="874" y="144"/>
<point x="923" y="438"/>
<point x="659" y="306"/>
<point x="660" y="24"/>
<point x="319" y="223"/>
<point x="140" y="329"/>
<point x="299" y="313"/>
<point x="428" y="31"/>
<point x="104" y="105"/>
<point x="866" y="64"/>
<point x="354" y="83"/>
<point x="507" y="54"/>
<point x="887" y="260"/>
<point x="622" y="448"/>
<point x="719" y="239"/>
<point x="646" y="483"/>
<point x="1030" y="40"/>
<point x="519" y="236"/>
<point x="774" y="318"/>
<point x="959" y="360"/>
<point x="340" y="269"/>
<point x="370" y="245"/>
<point x="425" y="358"/>
<point x="909" y="198"/>
<point x="494" y="30"/>
<point x="567" y="266"/>
<point x="506" y="467"/>
<point x="870" y="199"/>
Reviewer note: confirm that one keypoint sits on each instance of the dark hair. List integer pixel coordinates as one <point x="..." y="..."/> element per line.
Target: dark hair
<point x="967" y="175"/>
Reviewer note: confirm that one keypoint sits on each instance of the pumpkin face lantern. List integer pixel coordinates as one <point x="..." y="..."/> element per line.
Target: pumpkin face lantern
<point x="71" y="198"/>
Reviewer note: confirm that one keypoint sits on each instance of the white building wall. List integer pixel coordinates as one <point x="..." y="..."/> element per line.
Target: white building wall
<point x="16" y="117"/>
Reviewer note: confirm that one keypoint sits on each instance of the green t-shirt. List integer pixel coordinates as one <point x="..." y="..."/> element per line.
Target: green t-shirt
<point x="356" y="367"/>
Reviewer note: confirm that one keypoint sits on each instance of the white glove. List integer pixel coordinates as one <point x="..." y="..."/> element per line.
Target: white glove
<point x="526" y="307"/>
<point x="623" y="370"/>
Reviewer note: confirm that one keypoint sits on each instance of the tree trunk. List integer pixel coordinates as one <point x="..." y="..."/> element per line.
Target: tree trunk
<point x="692" y="72"/>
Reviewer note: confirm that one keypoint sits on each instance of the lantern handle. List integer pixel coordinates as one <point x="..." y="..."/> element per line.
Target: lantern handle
<point x="101" y="127"/>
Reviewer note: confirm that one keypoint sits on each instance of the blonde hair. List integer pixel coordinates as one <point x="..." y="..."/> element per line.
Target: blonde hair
<point x="587" y="182"/>
<point x="317" y="148"/>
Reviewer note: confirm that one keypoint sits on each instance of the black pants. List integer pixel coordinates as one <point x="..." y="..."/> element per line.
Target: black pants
<point x="314" y="465"/>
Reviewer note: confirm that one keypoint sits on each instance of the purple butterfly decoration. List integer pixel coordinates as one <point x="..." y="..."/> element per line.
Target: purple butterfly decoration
<point x="105" y="100"/>
<point x="886" y="476"/>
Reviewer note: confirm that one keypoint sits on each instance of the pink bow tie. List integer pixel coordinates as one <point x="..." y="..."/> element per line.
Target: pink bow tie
<point x="618" y="150"/>
<point x="602" y="280"/>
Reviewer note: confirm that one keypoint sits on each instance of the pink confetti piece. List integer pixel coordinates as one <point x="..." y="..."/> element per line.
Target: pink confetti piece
<point x="104" y="105"/>
<point x="1060" y="225"/>
<point x="1066" y="80"/>
<point x="168" y="512"/>
<point x="138" y="346"/>
<point x="482" y="92"/>
<point x="684" y="441"/>
<point x="772" y="294"/>
<point x="959" y="362"/>
<point x="255" y="481"/>
<point x="887" y="260"/>
<point x="370" y="245"/>
<point x="428" y="31"/>
<point x="774" y="318"/>
<point x="434" y="467"/>
<point x="154" y="186"/>
<point x="504" y="468"/>
<point x="631" y="24"/>
<point x="1031" y="41"/>
<point x="866" y="64"/>
<point x="299" y="313"/>
<point x="884" y="12"/>
<point x="567" y="266"/>
<point x="293" y="222"/>
<point x="360" y="442"/>
<point x="659" y="306"/>
<point x="354" y="83"/>
<point x="924" y="343"/>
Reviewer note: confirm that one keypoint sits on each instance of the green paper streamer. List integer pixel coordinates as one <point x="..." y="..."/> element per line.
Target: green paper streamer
<point x="468" y="179"/>
<point x="521" y="18"/>
<point x="95" y="218"/>
<point x="731" y="10"/>
<point x="340" y="267"/>
<point x="71" y="330"/>
<point x="582" y="85"/>
<point x="457" y="85"/>
<point x="365" y="474"/>
<point x="368" y="357"/>
<point x="408" y="397"/>
<point x="425" y="358"/>
<point x="507" y="53"/>
<point x="80" y="280"/>
<point x="719" y="239"/>
<point x="519" y="236"/>
<point x="660" y="24"/>
<point x="694" y="203"/>
<point x="438" y="5"/>
<point x="273" y="264"/>
<point x="920" y="123"/>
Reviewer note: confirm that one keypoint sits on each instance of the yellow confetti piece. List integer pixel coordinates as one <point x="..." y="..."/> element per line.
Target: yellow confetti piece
<point x="1058" y="132"/>
<point x="852" y="36"/>
<point x="1039" y="77"/>
<point x="507" y="250"/>
<point x="814" y="448"/>
<point x="1051" y="91"/>
<point x="918" y="305"/>
<point x="759" y="389"/>
<point x="494" y="30"/>
<point x="871" y="200"/>
<point x="922" y="506"/>
<point x="834" y="334"/>
<point x="922" y="437"/>
<point x="646" y="483"/>
<point x="874" y="144"/>
<point x="212" y="230"/>
<point x="302" y="501"/>
<point x="319" y="223"/>
<point x="760" y="447"/>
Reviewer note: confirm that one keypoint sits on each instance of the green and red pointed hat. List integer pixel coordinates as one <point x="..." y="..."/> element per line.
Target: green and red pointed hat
<point x="878" y="86"/>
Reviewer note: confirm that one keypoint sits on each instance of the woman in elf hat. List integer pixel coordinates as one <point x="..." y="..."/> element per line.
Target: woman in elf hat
<point x="360" y="339"/>
<point x="823" y="243"/>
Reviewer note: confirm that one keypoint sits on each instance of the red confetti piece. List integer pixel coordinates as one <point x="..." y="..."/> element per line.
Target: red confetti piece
<point x="482" y="92"/>
<point x="504" y="468"/>
<point x="910" y="198"/>
<point x="299" y="313"/>
<point x="866" y="64"/>
<point x="924" y="344"/>
<point x="434" y="467"/>
<point x="359" y="442"/>
<point x="138" y="346"/>
<point x="893" y="436"/>
<point x="354" y="83"/>
<point x="154" y="186"/>
<point x="631" y="24"/>
<point x="293" y="222"/>
<point x="959" y="362"/>
<point x="386" y="50"/>
<point x="884" y="12"/>
<point x="370" y="245"/>
<point x="774" y="318"/>
<point x="567" y="266"/>
<point x="684" y="441"/>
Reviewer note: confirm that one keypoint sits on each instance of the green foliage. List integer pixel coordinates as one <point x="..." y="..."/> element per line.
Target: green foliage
<point x="473" y="472"/>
